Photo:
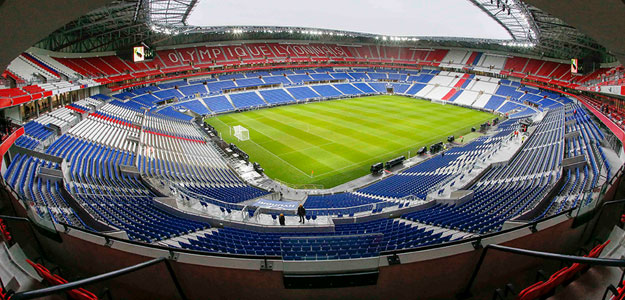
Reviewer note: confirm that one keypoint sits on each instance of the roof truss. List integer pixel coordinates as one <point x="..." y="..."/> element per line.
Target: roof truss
<point x="124" y="23"/>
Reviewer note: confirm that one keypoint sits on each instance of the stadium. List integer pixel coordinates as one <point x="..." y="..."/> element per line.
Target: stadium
<point x="185" y="149"/>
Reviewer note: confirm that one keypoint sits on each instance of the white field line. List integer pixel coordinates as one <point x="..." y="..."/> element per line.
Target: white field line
<point x="280" y="158"/>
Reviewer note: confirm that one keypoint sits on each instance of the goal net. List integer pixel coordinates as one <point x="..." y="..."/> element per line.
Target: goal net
<point x="241" y="133"/>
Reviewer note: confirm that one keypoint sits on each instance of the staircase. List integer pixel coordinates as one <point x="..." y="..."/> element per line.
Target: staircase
<point x="16" y="274"/>
<point x="185" y="238"/>
<point x="261" y="97"/>
<point x="230" y="100"/>
<point x="456" y="234"/>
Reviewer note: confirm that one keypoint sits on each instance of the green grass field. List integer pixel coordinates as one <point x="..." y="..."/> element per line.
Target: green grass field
<point x="332" y="142"/>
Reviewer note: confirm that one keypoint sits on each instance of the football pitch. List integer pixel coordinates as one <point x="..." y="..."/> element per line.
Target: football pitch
<point x="332" y="142"/>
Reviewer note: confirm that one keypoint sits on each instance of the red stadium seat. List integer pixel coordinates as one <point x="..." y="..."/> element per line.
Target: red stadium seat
<point x="531" y="292"/>
<point x="540" y="289"/>
<point x="53" y="279"/>
<point x="5" y="232"/>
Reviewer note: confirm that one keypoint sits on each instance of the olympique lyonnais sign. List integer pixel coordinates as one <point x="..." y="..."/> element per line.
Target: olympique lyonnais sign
<point x="208" y="54"/>
<point x="219" y="53"/>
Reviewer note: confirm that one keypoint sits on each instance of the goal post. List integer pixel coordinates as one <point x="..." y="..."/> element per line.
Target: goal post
<point x="241" y="133"/>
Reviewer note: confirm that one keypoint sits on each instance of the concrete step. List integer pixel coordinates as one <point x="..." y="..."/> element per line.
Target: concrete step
<point x="593" y="283"/>
<point x="185" y="238"/>
<point x="590" y="286"/>
<point x="436" y="229"/>
<point x="16" y="274"/>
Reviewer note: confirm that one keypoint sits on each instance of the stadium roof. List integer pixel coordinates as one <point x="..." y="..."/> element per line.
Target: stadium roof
<point x="399" y="18"/>
<point x="513" y="16"/>
<point x="169" y="12"/>
<point x="124" y="23"/>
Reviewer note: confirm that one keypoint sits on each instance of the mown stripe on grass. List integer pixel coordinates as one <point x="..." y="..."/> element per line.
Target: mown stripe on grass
<point x="336" y="128"/>
<point x="306" y="137"/>
<point x="338" y="139"/>
<point x="373" y="130"/>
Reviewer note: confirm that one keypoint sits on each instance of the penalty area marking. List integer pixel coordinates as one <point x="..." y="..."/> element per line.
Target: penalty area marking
<point x="280" y="158"/>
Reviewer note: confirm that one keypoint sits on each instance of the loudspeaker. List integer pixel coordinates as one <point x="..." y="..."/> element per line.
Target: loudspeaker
<point x="377" y="168"/>
<point x="395" y="162"/>
<point x="436" y="147"/>
<point x="258" y="168"/>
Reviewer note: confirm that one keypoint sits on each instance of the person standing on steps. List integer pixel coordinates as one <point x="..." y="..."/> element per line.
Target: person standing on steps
<point x="301" y="212"/>
<point x="281" y="219"/>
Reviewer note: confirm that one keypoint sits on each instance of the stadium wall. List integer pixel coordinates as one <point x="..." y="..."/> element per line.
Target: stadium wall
<point x="435" y="272"/>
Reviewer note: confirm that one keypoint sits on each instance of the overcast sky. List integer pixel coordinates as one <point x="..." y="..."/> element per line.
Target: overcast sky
<point x="458" y="18"/>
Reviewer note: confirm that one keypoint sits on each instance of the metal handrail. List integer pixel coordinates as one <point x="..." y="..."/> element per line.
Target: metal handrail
<point x="30" y="226"/>
<point x="608" y="262"/>
<point x="102" y="277"/>
<point x="603" y="205"/>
